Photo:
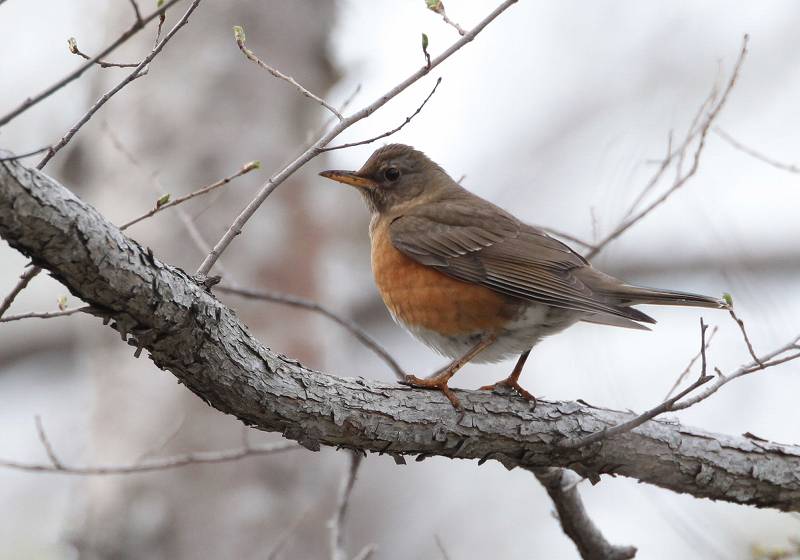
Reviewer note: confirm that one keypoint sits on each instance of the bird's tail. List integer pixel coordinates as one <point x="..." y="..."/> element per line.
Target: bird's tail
<point x="635" y="295"/>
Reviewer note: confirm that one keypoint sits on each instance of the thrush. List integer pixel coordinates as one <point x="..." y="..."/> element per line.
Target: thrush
<point x="473" y="282"/>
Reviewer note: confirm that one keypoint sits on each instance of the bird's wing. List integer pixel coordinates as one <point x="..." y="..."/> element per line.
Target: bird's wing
<point x="484" y="245"/>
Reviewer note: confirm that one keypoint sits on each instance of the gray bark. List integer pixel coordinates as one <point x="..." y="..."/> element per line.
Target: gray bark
<point x="187" y="331"/>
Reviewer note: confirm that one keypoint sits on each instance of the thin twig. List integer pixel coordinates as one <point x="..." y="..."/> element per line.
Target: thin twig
<point x="72" y="44"/>
<point x="574" y="520"/>
<point x="681" y="178"/>
<point x="766" y="361"/>
<point x="441" y="547"/>
<point x="48" y="448"/>
<point x="247" y="168"/>
<point x="302" y="303"/>
<point x="691" y="363"/>
<point x="666" y="406"/>
<point x="135" y="28"/>
<point x="336" y="524"/>
<point x="175" y="461"/>
<point x="24" y="279"/>
<point x="746" y="338"/>
<point x="238" y="224"/>
<point x="137" y="73"/>
<point x="26" y="154"/>
<point x="791" y="168"/>
<point x="390" y="132"/>
<point x="136" y="12"/>
<point x="44" y="315"/>
<point x="283" y="537"/>
<point x="238" y="33"/>
<point x="437" y="6"/>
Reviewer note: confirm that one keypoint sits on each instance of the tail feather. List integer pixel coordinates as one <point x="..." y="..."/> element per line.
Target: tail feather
<point x="635" y="295"/>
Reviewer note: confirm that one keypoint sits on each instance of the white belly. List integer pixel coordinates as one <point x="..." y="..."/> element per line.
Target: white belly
<point x="518" y="336"/>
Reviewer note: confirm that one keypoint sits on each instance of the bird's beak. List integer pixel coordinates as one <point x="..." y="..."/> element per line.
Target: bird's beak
<point x="349" y="178"/>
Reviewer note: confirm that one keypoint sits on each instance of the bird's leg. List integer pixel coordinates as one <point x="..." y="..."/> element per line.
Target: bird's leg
<point x="440" y="378"/>
<point x="513" y="380"/>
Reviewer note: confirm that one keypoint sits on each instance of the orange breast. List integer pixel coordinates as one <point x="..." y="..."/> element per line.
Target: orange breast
<point x="420" y="296"/>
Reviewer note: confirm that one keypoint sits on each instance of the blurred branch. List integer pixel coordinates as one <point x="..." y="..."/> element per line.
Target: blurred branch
<point x="187" y="331"/>
<point x="44" y="315"/>
<point x="389" y="132"/>
<point x="441" y="547"/>
<point x="135" y="28"/>
<point x="238" y="34"/>
<point x="173" y="462"/>
<point x="568" y="237"/>
<point x="336" y="524"/>
<point x="247" y="168"/>
<point x="574" y="520"/>
<point x="681" y="177"/>
<point x="24" y="280"/>
<point x="309" y="154"/>
<point x="302" y="303"/>
<point x="791" y="168"/>
<point x="138" y="72"/>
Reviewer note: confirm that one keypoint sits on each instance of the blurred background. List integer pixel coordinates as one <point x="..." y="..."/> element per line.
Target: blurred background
<point x="556" y="112"/>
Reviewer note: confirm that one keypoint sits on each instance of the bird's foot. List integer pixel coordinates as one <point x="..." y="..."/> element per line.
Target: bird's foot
<point x="514" y="385"/>
<point x="433" y="383"/>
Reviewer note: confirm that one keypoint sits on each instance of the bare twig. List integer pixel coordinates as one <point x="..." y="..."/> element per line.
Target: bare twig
<point x="24" y="280"/>
<point x="681" y="178"/>
<point x="48" y="448"/>
<point x="774" y="358"/>
<point x="336" y="524"/>
<point x="137" y="73"/>
<point x="441" y="547"/>
<point x="238" y="224"/>
<point x="247" y="168"/>
<point x="791" y="168"/>
<point x="72" y="44"/>
<point x="135" y="28"/>
<point x="295" y="301"/>
<point x="238" y="33"/>
<point x="25" y="155"/>
<point x="136" y="12"/>
<point x="437" y="6"/>
<point x="44" y="315"/>
<point x="173" y="462"/>
<point x="746" y="338"/>
<point x="666" y="406"/>
<point x="691" y="363"/>
<point x="390" y="132"/>
<point x="574" y="520"/>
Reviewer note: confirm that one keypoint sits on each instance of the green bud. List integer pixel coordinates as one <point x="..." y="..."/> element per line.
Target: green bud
<point x="728" y="298"/>
<point x="238" y="33"/>
<point x="163" y="199"/>
<point x="424" y="42"/>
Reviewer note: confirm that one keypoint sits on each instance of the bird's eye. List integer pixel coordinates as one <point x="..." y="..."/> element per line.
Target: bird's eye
<point x="391" y="173"/>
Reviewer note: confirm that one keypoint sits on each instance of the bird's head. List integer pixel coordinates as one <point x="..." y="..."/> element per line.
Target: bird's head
<point x="395" y="176"/>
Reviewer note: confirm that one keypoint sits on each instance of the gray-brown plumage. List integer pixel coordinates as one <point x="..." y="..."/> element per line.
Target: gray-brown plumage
<point x="456" y="270"/>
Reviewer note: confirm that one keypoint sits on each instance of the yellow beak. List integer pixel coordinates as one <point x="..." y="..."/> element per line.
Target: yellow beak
<point x="349" y="178"/>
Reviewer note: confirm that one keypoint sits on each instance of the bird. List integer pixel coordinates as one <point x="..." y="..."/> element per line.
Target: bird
<point x="473" y="282"/>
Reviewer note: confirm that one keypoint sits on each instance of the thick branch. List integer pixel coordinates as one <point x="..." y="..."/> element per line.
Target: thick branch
<point x="575" y="522"/>
<point x="189" y="332"/>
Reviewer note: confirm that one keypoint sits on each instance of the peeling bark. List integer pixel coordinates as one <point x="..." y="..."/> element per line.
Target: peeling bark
<point x="187" y="331"/>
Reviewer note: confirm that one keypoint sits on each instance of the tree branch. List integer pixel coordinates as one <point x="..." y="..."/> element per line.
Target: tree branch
<point x="187" y="331"/>
<point x="574" y="520"/>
